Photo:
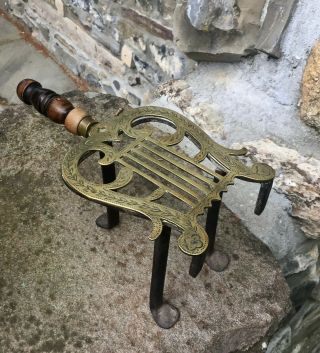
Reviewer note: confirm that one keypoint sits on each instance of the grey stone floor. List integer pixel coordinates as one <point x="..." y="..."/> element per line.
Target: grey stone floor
<point x="68" y="286"/>
<point x="20" y="59"/>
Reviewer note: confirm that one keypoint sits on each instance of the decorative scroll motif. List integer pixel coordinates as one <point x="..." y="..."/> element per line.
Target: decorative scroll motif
<point x="171" y="171"/>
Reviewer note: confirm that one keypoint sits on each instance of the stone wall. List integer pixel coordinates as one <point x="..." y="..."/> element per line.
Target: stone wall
<point x="120" y="46"/>
<point x="117" y="46"/>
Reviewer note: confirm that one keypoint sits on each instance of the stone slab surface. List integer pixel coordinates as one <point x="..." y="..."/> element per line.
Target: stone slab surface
<point x="8" y="32"/>
<point x="20" y="59"/>
<point x="68" y="286"/>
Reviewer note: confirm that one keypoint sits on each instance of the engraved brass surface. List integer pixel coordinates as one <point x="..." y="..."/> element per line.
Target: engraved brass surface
<point x="169" y="169"/>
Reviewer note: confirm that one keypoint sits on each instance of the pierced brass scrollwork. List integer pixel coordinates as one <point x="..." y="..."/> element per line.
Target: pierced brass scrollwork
<point x="171" y="171"/>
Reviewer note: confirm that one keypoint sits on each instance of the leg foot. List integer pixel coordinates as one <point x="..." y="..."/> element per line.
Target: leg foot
<point x="163" y="313"/>
<point x="217" y="261"/>
<point x="166" y="315"/>
<point x="106" y="221"/>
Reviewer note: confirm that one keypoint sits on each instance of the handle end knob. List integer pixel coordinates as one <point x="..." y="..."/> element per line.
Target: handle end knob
<point x="55" y="107"/>
<point x="45" y="101"/>
<point x="22" y="89"/>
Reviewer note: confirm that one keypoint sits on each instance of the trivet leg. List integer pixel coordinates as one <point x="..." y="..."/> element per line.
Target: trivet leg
<point x="263" y="196"/>
<point x="196" y="264"/>
<point x="215" y="259"/>
<point x="109" y="219"/>
<point x="164" y="314"/>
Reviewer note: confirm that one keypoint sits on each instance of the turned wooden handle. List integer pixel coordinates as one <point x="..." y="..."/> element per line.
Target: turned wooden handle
<point x="53" y="106"/>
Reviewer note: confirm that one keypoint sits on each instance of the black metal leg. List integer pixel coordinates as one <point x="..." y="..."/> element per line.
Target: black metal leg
<point x="215" y="259"/>
<point x="197" y="264"/>
<point x="211" y="224"/>
<point x="109" y="219"/>
<point x="263" y="196"/>
<point x="164" y="314"/>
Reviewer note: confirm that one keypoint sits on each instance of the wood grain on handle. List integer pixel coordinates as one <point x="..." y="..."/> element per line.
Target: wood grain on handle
<point x="51" y="105"/>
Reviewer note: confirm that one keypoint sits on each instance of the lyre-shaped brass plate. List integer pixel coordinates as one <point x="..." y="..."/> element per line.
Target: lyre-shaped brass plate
<point x="170" y="170"/>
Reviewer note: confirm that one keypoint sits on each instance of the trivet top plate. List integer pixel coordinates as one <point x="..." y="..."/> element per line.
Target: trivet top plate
<point x="157" y="159"/>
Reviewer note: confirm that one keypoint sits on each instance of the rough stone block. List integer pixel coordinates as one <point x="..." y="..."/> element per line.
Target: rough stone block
<point x="71" y="33"/>
<point x="217" y="44"/>
<point x="302" y="285"/>
<point x="316" y="293"/>
<point x="166" y="9"/>
<point x="303" y="257"/>
<point x="106" y="38"/>
<point x="208" y="15"/>
<point x="305" y="329"/>
<point x="134" y="80"/>
<point x="147" y="23"/>
<point x="280" y="341"/>
<point x="68" y="285"/>
<point x="276" y="20"/>
<point x="60" y="7"/>
<point x="127" y="55"/>
<point x="133" y="99"/>
<point x="52" y="3"/>
<point x="227" y="30"/>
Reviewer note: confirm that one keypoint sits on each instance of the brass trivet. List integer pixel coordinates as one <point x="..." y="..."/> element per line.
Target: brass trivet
<point x="197" y="181"/>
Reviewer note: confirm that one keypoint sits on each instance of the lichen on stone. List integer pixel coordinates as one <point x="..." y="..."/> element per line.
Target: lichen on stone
<point x="310" y="90"/>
